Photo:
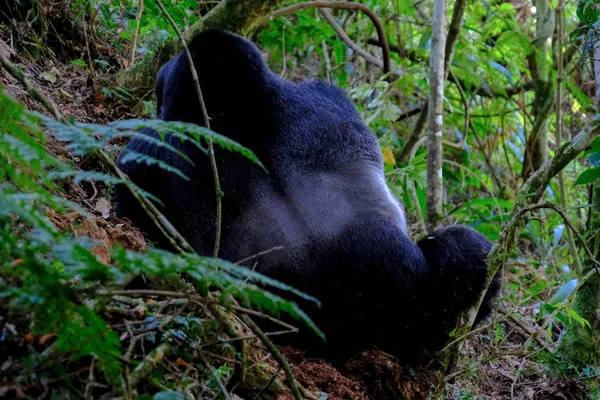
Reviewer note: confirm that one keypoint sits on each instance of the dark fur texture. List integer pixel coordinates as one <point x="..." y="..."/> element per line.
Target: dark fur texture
<point x="324" y="200"/>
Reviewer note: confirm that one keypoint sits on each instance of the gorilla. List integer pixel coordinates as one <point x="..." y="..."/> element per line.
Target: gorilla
<point x="321" y="196"/>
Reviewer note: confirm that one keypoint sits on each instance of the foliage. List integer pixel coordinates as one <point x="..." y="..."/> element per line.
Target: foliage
<point x="488" y="107"/>
<point x="52" y="282"/>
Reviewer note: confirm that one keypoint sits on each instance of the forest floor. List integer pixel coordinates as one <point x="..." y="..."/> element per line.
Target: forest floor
<point x="494" y="364"/>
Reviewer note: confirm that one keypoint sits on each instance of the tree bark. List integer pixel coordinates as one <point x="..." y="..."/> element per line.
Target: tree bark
<point x="434" y="115"/>
<point x="450" y="44"/>
<point x="536" y="152"/>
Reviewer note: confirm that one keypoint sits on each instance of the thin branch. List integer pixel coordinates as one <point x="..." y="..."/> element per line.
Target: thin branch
<point x="530" y="193"/>
<point x="559" y="125"/>
<point x="562" y="214"/>
<point x="346" y="6"/>
<point x="136" y="32"/>
<point x="211" y="150"/>
<point x="351" y="43"/>
<point x="276" y="354"/>
<point x="451" y="40"/>
<point x="87" y="47"/>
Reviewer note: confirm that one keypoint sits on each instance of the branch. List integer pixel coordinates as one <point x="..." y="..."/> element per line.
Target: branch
<point x="211" y="150"/>
<point x="346" y="39"/>
<point x="451" y="40"/>
<point x="346" y="6"/>
<point x="531" y="192"/>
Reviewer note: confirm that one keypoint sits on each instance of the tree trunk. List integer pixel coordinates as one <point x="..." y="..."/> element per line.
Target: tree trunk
<point x="434" y="116"/>
<point x="536" y="152"/>
<point x="451" y="40"/>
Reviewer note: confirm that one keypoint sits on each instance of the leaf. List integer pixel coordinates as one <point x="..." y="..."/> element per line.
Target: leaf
<point x="48" y="76"/>
<point x="558" y="233"/>
<point x="563" y="292"/>
<point x="80" y="63"/>
<point x="388" y="156"/>
<point x="593" y="159"/>
<point x="490" y="202"/>
<point x="405" y="7"/>
<point x="578" y="318"/>
<point x="103" y="206"/>
<point x="578" y="94"/>
<point x="588" y="176"/>
<point x="503" y="70"/>
<point x="391" y="112"/>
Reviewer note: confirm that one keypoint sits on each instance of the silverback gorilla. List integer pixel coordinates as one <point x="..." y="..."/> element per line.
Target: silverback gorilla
<point x="323" y="199"/>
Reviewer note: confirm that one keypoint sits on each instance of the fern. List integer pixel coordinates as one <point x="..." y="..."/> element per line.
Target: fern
<point x="49" y="278"/>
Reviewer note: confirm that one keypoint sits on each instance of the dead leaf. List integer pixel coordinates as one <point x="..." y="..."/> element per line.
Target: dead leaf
<point x="29" y="338"/>
<point x="103" y="206"/>
<point x="46" y="338"/>
<point x="388" y="156"/>
<point x="48" y="76"/>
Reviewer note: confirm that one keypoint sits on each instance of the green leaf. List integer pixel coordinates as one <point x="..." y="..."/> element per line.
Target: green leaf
<point x="405" y="7"/>
<point x="578" y="318"/>
<point x="578" y="94"/>
<point x="588" y="176"/>
<point x="80" y="63"/>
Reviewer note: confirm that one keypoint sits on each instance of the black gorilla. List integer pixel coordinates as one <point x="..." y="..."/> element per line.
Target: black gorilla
<point x="324" y="199"/>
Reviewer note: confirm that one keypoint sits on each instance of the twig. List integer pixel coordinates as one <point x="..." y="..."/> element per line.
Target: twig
<point x="512" y="386"/>
<point x="531" y="332"/>
<point x="291" y="381"/>
<point x="87" y="47"/>
<point x="214" y="374"/>
<point x="262" y="253"/>
<point x="569" y="225"/>
<point x="453" y="34"/>
<point x="134" y="37"/>
<point x="347" y="6"/>
<point x="351" y="43"/>
<point x="473" y="174"/>
<point x="559" y="125"/>
<point x="465" y="101"/>
<point x="211" y="150"/>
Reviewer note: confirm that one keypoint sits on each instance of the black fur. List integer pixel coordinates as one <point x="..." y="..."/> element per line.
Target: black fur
<point x="324" y="200"/>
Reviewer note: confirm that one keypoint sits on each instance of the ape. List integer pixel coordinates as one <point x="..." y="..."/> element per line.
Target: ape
<point x="323" y="199"/>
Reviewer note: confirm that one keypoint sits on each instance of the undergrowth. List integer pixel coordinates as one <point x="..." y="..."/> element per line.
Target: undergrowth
<point x="62" y="308"/>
